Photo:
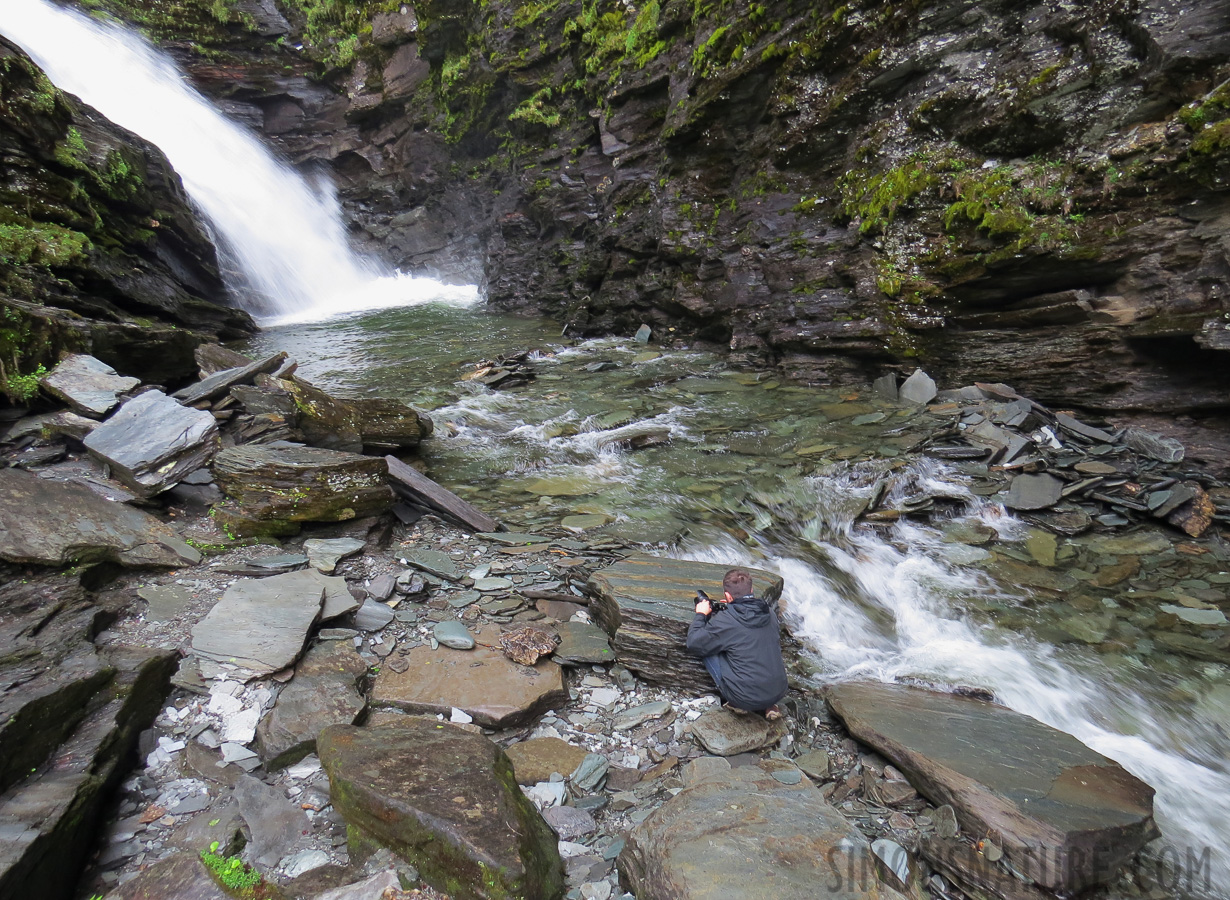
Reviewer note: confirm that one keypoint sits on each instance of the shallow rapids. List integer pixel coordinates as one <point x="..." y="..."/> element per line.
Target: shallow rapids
<point x="774" y="475"/>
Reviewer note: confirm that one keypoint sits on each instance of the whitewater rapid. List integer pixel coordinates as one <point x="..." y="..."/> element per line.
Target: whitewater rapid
<point x="285" y="235"/>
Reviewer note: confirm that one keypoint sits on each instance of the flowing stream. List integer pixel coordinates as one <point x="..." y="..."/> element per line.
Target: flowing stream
<point x="287" y="237"/>
<point x="755" y="471"/>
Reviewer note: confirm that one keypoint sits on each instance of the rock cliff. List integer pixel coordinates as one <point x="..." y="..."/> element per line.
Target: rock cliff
<point x="1016" y="190"/>
<point x="100" y="250"/>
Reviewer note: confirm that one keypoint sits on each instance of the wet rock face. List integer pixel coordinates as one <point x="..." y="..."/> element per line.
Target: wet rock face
<point x="1014" y="190"/>
<point x="1069" y="818"/>
<point x="399" y="785"/>
<point x="102" y="251"/>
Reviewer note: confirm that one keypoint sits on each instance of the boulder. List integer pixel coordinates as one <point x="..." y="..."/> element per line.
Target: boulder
<point x="646" y="603"/>
<point x="87" y="385"/>
<point x="152" y="442"/>
<point x="271" y="490"/>
<point x="725" y="733"/>
<point x="52" y="523"/>
<point x="325" y="691"/>
<point x="352" y="425"/>
<point x="446" y="801"/>
<point x="740" y="834"/>
<point x="582" y="644"/>
<point x="260" y="624"/>
<point x="494" y="690"/>
<point x="276" y="824"/>
<point x="324" y="554"/>
<point x="1068" y="817"/>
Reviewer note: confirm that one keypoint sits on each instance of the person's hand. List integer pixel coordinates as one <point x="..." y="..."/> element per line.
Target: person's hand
<point x="704" y="608"/>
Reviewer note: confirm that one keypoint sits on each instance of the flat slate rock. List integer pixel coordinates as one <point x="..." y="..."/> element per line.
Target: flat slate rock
<point x="582" y="644"/>
<point x="152" y="442"/>
<point x="260" y="624"/>
<point x="740" y="834"/>
<point x="435" y="562"/>
<point x="338" y="599"/>
<point x="324" y="555"/>
<point x="453" y="634"/>
<point x="646" y="604"/>
<point x="89" y="386"/>
<point x="179" y="877"/>
<point x="1047" y="796"/>
<point x="373" y="615"/>
<point x="918" y="388"/>
<point x="219" y="383"/>
<point x="485" y="684"/>
<point x="54" y="523"/>
<point x="725" y="733"/>
<point x="445" y="801"/>
<point x="325" y="691"/>
<point x="277" y="825"/>
<point x="165" y="601"/>
<point x="537" y="759"/>
<point x="1034" y="492"/>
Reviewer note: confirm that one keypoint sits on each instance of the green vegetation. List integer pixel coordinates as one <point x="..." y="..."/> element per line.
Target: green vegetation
<point x="875" y="197"/>
<point x="41" y="243"/>
<point x="72" y="151"/>
<point x="20" y="388"/>
<point x="535" y="110"/>
<point x="233" y="875"/>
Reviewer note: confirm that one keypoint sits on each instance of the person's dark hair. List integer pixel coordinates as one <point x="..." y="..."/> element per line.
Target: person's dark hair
<point x="737" y="582"/>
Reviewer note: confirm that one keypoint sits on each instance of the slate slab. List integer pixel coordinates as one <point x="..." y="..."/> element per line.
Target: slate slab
<point x="582" y="644"/>
<point x="89" y="386"/>
<point x="445" y="801"/>
<point x="219" y="383"/>
<point x="740" y="834"/>
<point x="324" y="555"/>
<point x="1033" y="492"/>
<point x="260" y="624"/>
<point x="483" y="683"/>
<point x="536" y="759"/>
<point x="646" y="604"/>
<point x="451" y="633"/>
<point x="277" y="824"/>
<point x="435" y="562"/>
<point x="1049" y="797"/>
<point x="54" y="523"/>
<point x="725" y="733"/>
<point x="372" y="616"/>
<point x="179" y="877"/>
<point x="325" y="691"/>
<point x="152" y="442"/>
<point x="918" y="388"/>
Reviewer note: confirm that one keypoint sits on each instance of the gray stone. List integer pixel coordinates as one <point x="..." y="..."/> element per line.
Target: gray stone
<point x="166" y="602"/>
<point x="179" y="877"/>
<point x="324" y="691"/>
<point x="277" y="825"/>
<point x="1154" y="446"/>
<point x="589" y="774"/>
<point x="725" y="733"/>
<point x="279" y="562"/>
<point x="570" y="823"/>
<point x="435" y="562"/>
<point x="219" y="383"/>
<point x="338" y="599"/>
<point x="946" y="825"/>
<point x="815" y="764"/>
<point x="152" y="441"/>
<point x="49" y="425"/>
<point x="745" y="836"/>
<point x="372" y="616"/>
<point x="643" y="334"/>
<point x="324" y="555"/>
<point x="382" y="587"/>
<point x="53" y="523"/>
<point x="582" y="644"/>
<point x="886" y="386"/>
<point x="492" y="584"/>
<point x="918" y="388"/>
<point x="261" y="624"/>
<point x="1196" y="616"/>
<point x="444" y="800"/>
<point x="1033" y="492"/>
<point x="381" y="884"/>
<point x="1044" y="793"/>
<point x="639" y="715"/>
<point x="452" y="633"/>
<point x="87" y="385"/>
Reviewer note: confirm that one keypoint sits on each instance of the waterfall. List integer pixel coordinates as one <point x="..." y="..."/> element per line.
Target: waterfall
<point x="287" y="238"/>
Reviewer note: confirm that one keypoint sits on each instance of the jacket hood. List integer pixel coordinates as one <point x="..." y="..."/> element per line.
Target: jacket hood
<point x="751" y="611"/>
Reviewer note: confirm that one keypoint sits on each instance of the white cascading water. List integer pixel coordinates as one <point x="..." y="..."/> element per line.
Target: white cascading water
<point x="897" y="614"/>
<point x="287" y="238"/>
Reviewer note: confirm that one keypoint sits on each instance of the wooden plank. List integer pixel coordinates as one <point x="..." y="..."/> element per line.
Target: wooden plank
<point x="418" y="487"/>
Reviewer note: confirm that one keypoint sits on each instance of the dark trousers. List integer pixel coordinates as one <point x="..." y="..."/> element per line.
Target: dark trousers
<point x="714" y="665"/>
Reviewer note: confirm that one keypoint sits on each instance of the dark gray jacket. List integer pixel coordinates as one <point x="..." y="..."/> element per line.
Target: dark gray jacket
<point x="746" y="636"/>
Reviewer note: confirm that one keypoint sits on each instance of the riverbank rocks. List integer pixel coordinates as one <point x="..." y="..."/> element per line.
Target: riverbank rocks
<point x="270" y="490"/>
<point x="1066" y="817"/>
<point x="324" y="691"/>
<point x="725" y="733"/>
<point x="260" y="624"/>
<point x="483" y="683"/>
<point x="54" y="523"/>
<point x="352" y="425"/>
<point x="152" y="442"/>
<point x="538" y="759"/>
<point x="446" y="801"/>
<point x="646" y="603"/>
<point x="741" y="834"/>
<point x="87" y="385"/>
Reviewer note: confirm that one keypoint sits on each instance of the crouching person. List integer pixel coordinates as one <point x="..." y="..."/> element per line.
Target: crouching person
<point x="740" y="644"/>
